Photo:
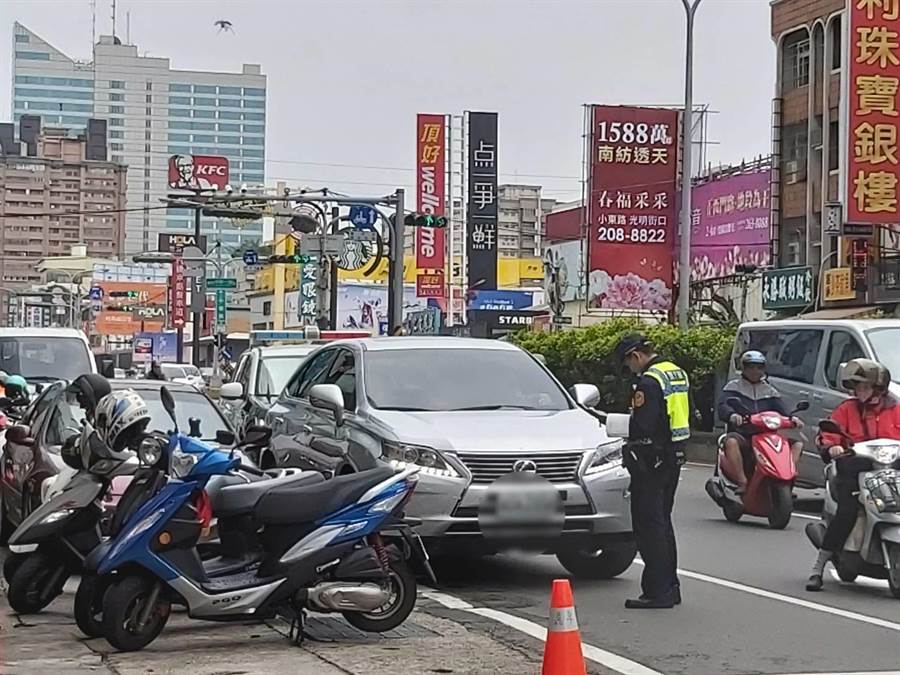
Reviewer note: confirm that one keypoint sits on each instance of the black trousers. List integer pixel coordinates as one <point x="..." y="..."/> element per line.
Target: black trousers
<point x="652" y="500"/>
<point x="846" y="484"/>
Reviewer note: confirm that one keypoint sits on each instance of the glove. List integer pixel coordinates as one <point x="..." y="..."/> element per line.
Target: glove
<point x="736" y="420"/>
<point x="798" y="423"/>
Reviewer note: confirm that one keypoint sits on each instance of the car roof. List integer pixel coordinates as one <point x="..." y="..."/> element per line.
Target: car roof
<point x="862" y="324"/>
<point x="42" y="332"/>
<point x="397" y="343"/>
<point x="286" y="350"/>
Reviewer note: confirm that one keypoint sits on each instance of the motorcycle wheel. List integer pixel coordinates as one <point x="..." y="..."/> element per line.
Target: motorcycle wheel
<point x="89" y="605"/>
<point x="893" y="551"/>
<point x="29" y="591"/>
<point x="605" y="563"/>
<point x="11" y="564"/>
<point x="123" y="603"/>
<point x="781" y="505"/>
<point x="732" y="511"/>
<point x="398" y="607"/>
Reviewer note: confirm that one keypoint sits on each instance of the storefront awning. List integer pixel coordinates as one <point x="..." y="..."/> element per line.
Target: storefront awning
<point x="840" y="313"/>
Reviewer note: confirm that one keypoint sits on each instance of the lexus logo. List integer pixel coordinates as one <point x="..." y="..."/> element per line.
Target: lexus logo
<point x="524" y="466"/>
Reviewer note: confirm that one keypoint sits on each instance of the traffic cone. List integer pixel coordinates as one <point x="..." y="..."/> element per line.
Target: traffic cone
<point x="562" y="651"/>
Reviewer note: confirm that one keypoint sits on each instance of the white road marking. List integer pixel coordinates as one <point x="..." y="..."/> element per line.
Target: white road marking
<point x="807" y="516"/>
<point x="787" y="599"/>
<point x="868" y="672"/>
<point x="612" y="661"/>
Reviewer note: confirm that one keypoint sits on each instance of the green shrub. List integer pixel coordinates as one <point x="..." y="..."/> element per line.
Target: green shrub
<point x="585" y="355"/>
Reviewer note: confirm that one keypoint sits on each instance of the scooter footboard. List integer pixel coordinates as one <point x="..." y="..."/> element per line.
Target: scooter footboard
<point x="890" y="533"/>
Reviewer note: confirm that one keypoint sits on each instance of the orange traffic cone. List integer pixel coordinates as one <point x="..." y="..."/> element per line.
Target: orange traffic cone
<point x="562" y="652"/>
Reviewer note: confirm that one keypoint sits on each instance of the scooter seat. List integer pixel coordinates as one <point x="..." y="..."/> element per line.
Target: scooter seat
<point x="239" y="498"/>
<point x="305" y="504"/>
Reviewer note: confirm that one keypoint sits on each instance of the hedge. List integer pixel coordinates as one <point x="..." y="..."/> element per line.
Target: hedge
<point x="585" y="355"/>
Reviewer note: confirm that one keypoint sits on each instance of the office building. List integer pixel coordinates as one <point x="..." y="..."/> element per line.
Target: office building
<point x="152" y="111"/>
<point x="521" y="221"/>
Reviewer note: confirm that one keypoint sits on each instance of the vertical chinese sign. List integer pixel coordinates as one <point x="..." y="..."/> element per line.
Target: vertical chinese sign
<point x="431" y="153"/>
<point x="874" y="77"/>
<point x="481" y="230"/>
<point x="632" y="209"/>
<point x="306" y="301"/>
<point x="178" y="294"/>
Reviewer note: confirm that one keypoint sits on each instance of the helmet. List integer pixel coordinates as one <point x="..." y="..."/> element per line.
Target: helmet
<point x="120" y="417"/>
<point x="860" y="371"/>
<point x="753" y="357"/>
<point x="16" y="385"/>
<point x="3" y="376"/>
<point x="88" y="390"/>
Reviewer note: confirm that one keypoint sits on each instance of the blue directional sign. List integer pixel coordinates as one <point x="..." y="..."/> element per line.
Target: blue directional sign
<point x="251" y="258"/>
<point x="363" y="216"/>
<point x="96" y="293"/>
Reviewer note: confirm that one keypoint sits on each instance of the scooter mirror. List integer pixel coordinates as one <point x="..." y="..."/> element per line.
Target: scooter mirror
<point x="830" y="427"/>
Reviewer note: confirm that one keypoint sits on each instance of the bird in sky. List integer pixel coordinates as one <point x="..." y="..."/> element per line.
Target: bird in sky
<point x="224" y="25"/>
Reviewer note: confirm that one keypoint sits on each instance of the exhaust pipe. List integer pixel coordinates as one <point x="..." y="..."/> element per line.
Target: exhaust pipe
<point x="341" y="596"/>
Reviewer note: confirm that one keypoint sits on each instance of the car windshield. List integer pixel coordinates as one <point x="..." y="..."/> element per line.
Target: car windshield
<point x="886" y="345"/>
<point x="274" y="372"/>
<point x="459" y="379"/>
<point x="45" y="357"/>
<point x="188" y="404"/>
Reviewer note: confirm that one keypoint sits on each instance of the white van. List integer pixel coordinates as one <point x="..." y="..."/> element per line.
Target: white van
<point x="43" y="355"/>
<point x="804" y="356"/>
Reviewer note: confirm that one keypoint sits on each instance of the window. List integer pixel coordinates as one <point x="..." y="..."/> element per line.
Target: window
<point x="842" y="347"/>
<point x="234" y="128"/>
<point x="343" y="374"/>
<point x="267" y="308"/>
<point x="230" y="102"/>
<point x="180" y="138"/>
<point x="201" y="138"/>
<point x="179" y="112"/>
<point x="230" y="91"/>
<point x="33" y="56"/>
<point x="180" y="100"/>
<point x="179" y="150"/>
<point x="54" y="81"/>
<point x="148" y="111"/>
<point x="65" y="421"/>
<point x="116" y="134"/>
<point x="203" y="126"/>
<point x="116" y="122"/>
<point x="148" y="98"/>
<point x="53" y="93"/>
<point x="147" y="136"/>
<point x="273" y="373"/>
<point x="836" y="43"/>
<point x="252" y="140"/>
<point x="181" y="88"/>
<point x="255" y="117"/>
<point x="834" y="147"/>
<point x="116" y="97"/>
<point x="57" y="358"/>
<point x="149" y="86"/>
<point x="115" y="147"/>
<point x="147" y="124"/>
<point x="206" y="114"/>
<point x="204" y="89"/>
<point x="199" y="100"/>
<point x="254" y="129"/>
<point x="252" y="166"/>
<point x="25" y="38"/>
<point x="796" y="62"/>
<point x="312" y="372"/>
<point x="249" y="152"/>
<point x="791" y="354"/>
<point x="250" y="91"/>
<point x="228" y="115"/>
<point x="116" y="84"/>
<point x="117" y="109"/>
<point x="795" y="142"/>
<point x="254" y="103"/>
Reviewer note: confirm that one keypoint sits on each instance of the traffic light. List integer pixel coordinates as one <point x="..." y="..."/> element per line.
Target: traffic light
<point x="122" y="294"/>
<point x="295" y="259"/>
<point x="424" y="220"/>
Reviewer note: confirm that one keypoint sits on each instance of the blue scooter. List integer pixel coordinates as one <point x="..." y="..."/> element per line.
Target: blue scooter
<point x="322" y="548"/>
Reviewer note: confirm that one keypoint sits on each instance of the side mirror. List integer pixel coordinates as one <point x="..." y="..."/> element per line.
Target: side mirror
<point x="801" y="406"/>
<point x="328" y="397"/>
<point x="168" y="402"/>
<point x="617" y="425"/>
<point x="232" y="391"/>
<point x="586" y="395"/>
<point x="20" y="434"/>
<point x="224" y="437"/>
<point x="828" y="426"/>
<point x="257" y="435"/>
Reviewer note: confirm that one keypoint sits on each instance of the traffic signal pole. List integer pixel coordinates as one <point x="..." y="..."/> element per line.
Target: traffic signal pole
<point x="395" y="280"/>
<point x="198" y="316"/>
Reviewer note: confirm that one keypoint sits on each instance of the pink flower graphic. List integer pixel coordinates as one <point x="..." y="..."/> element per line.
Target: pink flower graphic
<point x="630" y="291"/>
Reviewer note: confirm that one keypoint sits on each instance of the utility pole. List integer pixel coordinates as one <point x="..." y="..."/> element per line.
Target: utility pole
<point x="217" y="330"/>
<point x="198" y="316"/>
<point x="280" y="248"/>
<point x="687" y="123"/>
<point x="333" y="273"/>
<point x="395" y="280"/>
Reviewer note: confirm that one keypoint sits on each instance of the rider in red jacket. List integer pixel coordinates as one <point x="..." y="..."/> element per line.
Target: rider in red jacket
<point x="872" y="413"/>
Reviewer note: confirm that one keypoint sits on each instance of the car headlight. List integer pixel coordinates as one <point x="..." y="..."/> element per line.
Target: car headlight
<point x="771" y="421"/>
<point x="182" y="463"/>
<point x="886" y="454"/>
<point x="605" y="457"/>
<point x="427" y="460"/>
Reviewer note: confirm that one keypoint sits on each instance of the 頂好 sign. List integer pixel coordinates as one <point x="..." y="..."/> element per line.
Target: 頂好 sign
<point x="431" y="151"/>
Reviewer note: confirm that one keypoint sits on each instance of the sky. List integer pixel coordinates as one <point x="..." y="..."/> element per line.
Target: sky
<point x="347" y="77"/>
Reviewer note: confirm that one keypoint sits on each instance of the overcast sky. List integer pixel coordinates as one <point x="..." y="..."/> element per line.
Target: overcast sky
<point x="346" y="77"/>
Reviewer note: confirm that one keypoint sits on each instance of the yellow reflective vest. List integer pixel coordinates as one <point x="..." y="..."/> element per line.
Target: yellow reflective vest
<point x="675" y="387"/>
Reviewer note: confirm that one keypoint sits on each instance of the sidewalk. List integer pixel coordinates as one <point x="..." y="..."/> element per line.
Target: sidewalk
<point x="51" y="643"/>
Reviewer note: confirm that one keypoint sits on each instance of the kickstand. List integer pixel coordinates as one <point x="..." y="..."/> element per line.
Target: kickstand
<point x="298" y="623"/>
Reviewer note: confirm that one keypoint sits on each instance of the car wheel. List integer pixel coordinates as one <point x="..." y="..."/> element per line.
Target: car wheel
<point x="604" y="563"/>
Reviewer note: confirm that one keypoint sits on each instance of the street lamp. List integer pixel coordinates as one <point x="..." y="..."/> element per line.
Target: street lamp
<point x="684" y="263"/>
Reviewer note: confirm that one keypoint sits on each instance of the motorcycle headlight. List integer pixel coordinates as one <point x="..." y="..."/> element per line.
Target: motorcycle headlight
<point x="886" y="454"/>
<point x="605" y="457"/>
<point x="427" y="460"/>
<point x="182" y="463"/>
<point x="771" y="421"/>
<point x="149" y="451"/>
<point x="56" y="516"/>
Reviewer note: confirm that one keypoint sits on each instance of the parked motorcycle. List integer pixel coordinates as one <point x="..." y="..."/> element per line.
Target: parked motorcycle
<point x="769" y="492"/>
<point x="322" y="548"/>
<point x="873" y="547"/>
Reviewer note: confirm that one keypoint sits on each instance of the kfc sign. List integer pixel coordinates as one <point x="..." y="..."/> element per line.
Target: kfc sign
<point x="198" y="172"/>
<point x="431" y="151"/>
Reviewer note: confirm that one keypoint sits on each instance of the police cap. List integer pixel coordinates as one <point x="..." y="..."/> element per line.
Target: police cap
<point x="629" y="344"/>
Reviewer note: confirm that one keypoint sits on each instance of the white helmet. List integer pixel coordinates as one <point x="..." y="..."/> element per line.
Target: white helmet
<point x="120" y="417"/>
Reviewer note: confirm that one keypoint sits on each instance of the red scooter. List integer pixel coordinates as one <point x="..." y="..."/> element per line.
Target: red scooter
<point x="771" y="480"/>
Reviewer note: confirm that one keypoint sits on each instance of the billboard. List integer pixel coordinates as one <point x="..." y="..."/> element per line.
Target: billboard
<point x="730" y="224"/>
<point x="129" y="307"/>
<point x="173" y="242"/>
<point x="198" y="172"/>
<point x="874" y="76"/>
<point x="502" y="300"/>
<point x="633" y="164"/>
<point x="430" y="285"/>
<point x="431" y="153"/>
<point x="155" y="347"/>
<point x="177" y="295"/>
<point x="563" y="271"/>
<point x="364" y="306"/>
<point x="481" y="212"/>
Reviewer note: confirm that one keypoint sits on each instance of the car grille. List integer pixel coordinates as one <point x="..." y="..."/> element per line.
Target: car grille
<point x="556" y="467"/>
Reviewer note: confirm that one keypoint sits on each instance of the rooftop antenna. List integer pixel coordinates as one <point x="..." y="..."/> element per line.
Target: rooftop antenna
<point x="128" y="27"/>
<point x="93" y="23"/>
<point x="114" y="19"/>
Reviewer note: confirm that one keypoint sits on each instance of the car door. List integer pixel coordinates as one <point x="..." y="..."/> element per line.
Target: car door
<point x="326" y="438"/>
<point x="294" y="420"/>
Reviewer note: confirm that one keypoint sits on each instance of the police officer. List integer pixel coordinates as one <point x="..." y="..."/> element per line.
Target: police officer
<point x="654" y="454"/>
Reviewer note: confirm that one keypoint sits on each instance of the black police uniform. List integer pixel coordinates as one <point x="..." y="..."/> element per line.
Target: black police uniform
<point x="654" y="463"/>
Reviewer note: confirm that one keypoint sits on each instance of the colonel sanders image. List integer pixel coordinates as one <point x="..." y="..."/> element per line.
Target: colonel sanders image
<point x="186" y="178"/>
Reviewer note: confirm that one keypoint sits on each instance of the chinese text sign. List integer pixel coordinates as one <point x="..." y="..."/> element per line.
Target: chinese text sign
<point x="632" y="209"/>
<point x="730" y="224"/>
<point x="874" y="78"/>
<point x="481" y="238"/>
<point x="431" y="151"/>
<point x="787" y="287"/>
<point x="306" y="302"/>
<point x="178" y="308"/>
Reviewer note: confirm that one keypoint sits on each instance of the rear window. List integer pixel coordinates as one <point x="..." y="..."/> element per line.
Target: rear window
<point x="792" y="354"/>
<point x="45" y="357"/>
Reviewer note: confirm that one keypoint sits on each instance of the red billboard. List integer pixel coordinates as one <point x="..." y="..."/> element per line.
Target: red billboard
<point x="430" y="285"/>
<point x="431" y="152"/>
<point x="632" y="209"/>
<point x="178" y="294"/>
<point x="874" y="78"/>
<point x="198" y="172"/>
